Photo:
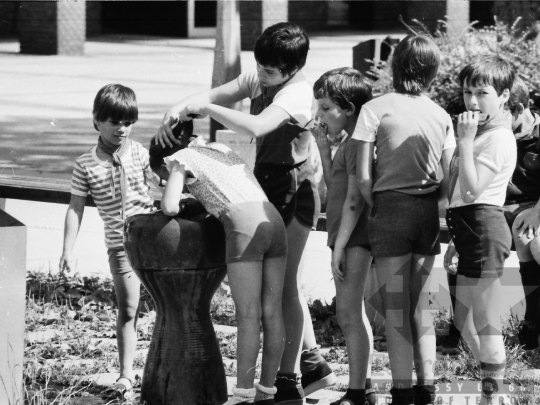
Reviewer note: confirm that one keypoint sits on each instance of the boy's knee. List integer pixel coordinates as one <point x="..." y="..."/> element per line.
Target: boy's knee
<point x="348" y="318"/>
<point x="249" y="313"/>
<point x="128" y="313"/>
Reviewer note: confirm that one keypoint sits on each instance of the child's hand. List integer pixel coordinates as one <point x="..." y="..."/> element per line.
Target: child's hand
<point x="164" y="134"/>
<point x="193" y="111"/>
<point x="467" y="125"/>
<point x="450" y="259"/>
<point x="338" y="256"/>
<point x="321" y="137"/>
<point x="528" y="225"/>
<point x="66" y="262"/>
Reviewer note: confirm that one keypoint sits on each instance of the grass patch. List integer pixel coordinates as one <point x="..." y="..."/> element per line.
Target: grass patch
<point x="79" y="316"/>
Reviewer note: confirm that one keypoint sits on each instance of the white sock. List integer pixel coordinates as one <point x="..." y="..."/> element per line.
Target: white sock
<point x="262" y="392"/>
<point x="241" y="395"/>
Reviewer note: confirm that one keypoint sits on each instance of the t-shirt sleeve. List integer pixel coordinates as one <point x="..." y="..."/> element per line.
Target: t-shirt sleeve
<point x="179" y="159"/>
<point x="350" y="157"/>
<point x="79" y="181"/>
<point x="249" y="84"/>
<point x="496" y="151"/>
<point x="450" y="141"/>
<point x="296" y="99"/>
<point x="144" y="156"/>
<point x="366" y="126"/>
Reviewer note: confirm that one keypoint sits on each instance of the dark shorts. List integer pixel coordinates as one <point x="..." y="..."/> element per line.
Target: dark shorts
<point x="118" y="261"/>
<point x="364" y="246"/>
<point x="292" y="190"/>
<point x="482" y="239"/>
<point x="403" y="223"/>
<point x="254" y="231"/>
<point x="512" y="211"/>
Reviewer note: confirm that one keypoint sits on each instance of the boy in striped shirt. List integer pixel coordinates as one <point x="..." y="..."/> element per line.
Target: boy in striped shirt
<point x="116" y="172"/>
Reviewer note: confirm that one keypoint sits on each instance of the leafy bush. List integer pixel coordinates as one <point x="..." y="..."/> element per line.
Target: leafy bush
<point x="511" y="42"/>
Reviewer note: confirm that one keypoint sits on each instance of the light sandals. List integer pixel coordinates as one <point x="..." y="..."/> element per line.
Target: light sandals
<point x="122" y="388"/>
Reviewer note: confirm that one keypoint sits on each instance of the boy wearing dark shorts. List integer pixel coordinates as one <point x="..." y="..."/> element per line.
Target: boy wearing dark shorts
<point x="281" y="101"/>
<point x="479" y="175"/>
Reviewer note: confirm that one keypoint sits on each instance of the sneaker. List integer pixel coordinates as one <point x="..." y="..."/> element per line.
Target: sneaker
<point x="424" y="394"/>
<point x="371" y="396"/>
<point x="402" y="396"/>
<point x="321" y="377"/>
<point x="289" y="392"/>
<point x="528" y="335"/>
<point x="344" y="401"/>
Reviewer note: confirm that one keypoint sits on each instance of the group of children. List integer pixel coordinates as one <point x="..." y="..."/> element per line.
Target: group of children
<point x="383" y="204"/>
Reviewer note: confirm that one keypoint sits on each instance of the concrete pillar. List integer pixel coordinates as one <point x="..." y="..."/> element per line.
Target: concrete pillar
<point x="12" y="308"/>
<point x="226" y="52"/>
<point x="52" y="28"/>
<point x="257" y="16"/>
<point x="457" y="16"/>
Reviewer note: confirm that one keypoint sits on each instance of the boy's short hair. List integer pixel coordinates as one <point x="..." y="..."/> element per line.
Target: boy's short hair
<point x="518" y="95"/>
<point x="343" y="86"/>
<point x="115" y="102"/>
<point x="489" y="70"/>
<point x="283" y="46"/>
<point x="415" y="63"/>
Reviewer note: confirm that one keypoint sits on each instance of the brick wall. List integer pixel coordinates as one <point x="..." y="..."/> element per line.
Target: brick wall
<point x="71" y="17"/>
<point x="52" y="28"/>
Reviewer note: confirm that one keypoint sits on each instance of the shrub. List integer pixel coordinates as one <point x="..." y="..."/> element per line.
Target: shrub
<point x="508" y="41"/>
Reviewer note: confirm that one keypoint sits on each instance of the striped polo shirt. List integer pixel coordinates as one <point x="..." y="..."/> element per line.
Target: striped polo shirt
<point x="92" y="175"/>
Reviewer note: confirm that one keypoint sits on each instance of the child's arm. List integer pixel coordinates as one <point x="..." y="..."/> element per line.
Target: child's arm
<point x="364" y="169"/>
<point x="473" y="178"/>
<point x="225" y="94"/>
<point x="443" y="187"/>
<point x="170" y="203"/>
<point x="72" y="224"/>
<point x="324" y="150"/>
<point x="530" y="222"/>
<point x="352" y="208"/>
<point x="254" y="126"/>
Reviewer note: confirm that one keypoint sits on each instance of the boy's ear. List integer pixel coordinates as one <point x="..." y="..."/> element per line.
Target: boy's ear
<point x="351" y="110"/>
<point x="519" y="108"/>
<point x="96" y="124"/>
<point x="505" y="95"/>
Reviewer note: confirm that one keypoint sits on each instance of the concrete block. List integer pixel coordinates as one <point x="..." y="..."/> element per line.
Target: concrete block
<point x="12" y="304"/>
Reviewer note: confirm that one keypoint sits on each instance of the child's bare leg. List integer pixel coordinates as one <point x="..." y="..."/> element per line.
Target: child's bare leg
<point x="245" y="279"/>
<point x="272" y="319"/>
<point x="127" y="287"/>
<point x="487" y="322"/>
<point x="463" y="315"/>
<point x="308" y="340"/>
<point x="487" y="319"/>
<point x="293" y="315"/>
<point x="395" y="296"/>
<point x="423" y="333"/>
<point x="352" y="316"/>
